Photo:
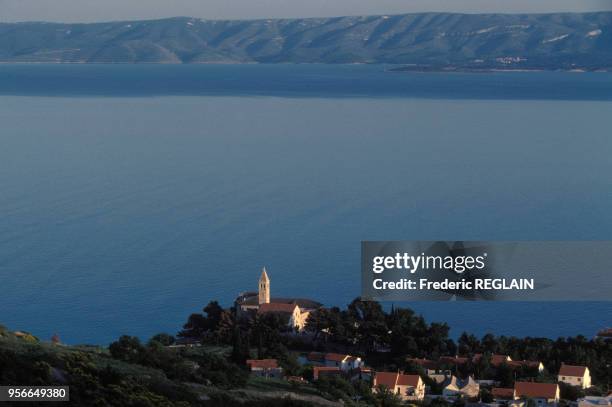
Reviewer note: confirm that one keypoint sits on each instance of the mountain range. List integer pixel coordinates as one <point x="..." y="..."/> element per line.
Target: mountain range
<point x="423" y="41"/>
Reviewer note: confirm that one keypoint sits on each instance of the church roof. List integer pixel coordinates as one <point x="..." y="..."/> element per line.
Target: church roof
<point x="253" y="299"/>
<point x="303" y="303"/>
<point x="276" y="307"/>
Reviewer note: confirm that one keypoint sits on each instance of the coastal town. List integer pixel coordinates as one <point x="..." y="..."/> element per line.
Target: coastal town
<point x="450" y="379"/>
<point x="268" y="351"/>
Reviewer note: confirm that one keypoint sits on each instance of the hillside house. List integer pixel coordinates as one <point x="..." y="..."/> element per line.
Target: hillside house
<point x="457" y="388"/>
<point x="407" y="387"/>
<point x="320" y="371"/>
<point x="543" y="394"/>
<point x="578" y="376"/>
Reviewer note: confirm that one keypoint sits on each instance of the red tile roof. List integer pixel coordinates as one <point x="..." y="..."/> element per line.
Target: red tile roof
<point x="318" y="370"/>
<point x="277" y="307"/>
<point x="536" y="390"/>
<point x="574" y="371"/>
<point x="497" y="360"/>
<point x="390" y="380"/>
<point x="408" y="380"/>
<point x="386" y="379"/>
<point x="263" y="363"/>
<point x="502" y="393"/>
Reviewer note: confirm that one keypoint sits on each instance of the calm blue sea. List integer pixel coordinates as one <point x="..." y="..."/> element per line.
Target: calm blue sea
<point x="132" y="195"/>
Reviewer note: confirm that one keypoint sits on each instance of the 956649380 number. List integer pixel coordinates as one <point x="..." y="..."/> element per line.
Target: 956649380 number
<point x="34" y="393"/>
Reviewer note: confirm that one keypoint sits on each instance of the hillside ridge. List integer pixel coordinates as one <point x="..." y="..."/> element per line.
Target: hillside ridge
<point x="434" y="40"/>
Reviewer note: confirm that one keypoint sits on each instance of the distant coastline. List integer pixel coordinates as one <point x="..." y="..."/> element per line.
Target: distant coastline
<point x="447" y="69"/>
<point x="432" y="41"/>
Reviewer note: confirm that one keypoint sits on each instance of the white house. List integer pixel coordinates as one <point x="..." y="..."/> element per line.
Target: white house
<point x="343" y="362"/>
<point x="456" y="388"/>
<point x="575" y="375"/>
<point x="407" y="387"/>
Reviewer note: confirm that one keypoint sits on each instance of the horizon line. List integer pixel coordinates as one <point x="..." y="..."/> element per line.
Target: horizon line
<point x="302" y="18"/>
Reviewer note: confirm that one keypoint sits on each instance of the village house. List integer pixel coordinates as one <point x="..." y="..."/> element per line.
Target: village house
<point x="296" y="309"/>
<point x="265" y="368"/>
<point x="455" y="388"/>
<point x="407" y="387"/>
<point x="543" y="394"/>
<point x="319" y="371"/>
<point x="498" y="360"/>
<point x="527" y="364"/>
<point x="575" y="375"/>
<point x="343" y="362"/>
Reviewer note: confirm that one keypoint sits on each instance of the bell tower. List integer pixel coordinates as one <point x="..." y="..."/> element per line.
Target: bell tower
<point x="264" y="287"/>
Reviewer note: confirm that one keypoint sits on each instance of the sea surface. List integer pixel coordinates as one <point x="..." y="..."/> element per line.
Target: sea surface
<point x="131" y="195"/>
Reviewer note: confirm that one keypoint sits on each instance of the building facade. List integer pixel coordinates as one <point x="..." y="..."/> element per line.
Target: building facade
<point x="407" y="387"/>
<point x="297" y="310"/>
<point x="578" y="376"/>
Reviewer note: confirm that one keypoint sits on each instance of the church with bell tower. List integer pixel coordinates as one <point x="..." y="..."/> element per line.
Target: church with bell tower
<point x="251" y="303"/>
<point x="264" y="287"/>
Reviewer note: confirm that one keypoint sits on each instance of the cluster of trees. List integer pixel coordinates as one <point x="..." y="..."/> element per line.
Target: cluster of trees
<point x="594" y="353"/>
<point x="135" y="373"/>
<point x="388" y="338"/>
<point x="263" y="336"/>
<point x="95" y="378"/>
<point x="402" y="334"/>
<point x="367" y="328"/>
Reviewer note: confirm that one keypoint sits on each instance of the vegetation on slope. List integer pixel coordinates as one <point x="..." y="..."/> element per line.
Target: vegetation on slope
<point x="431" y="40"/>
<point x="213" y="373"/>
